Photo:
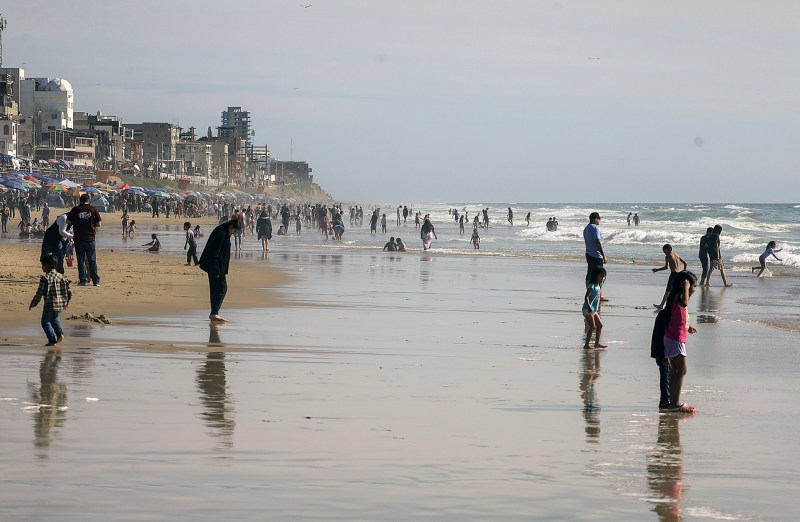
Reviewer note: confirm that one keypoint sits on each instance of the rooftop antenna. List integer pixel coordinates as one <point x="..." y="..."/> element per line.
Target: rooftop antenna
<point x="3" y="25"/>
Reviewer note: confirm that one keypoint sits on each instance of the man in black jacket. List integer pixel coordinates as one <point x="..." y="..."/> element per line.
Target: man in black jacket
<point x="214" y="261"/>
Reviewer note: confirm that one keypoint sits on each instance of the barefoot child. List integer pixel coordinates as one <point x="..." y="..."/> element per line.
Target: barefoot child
<point x="54" y="288"/>
<point x="671" y="261"/>
<point x="591" y="306"/>
<point x="675" y="337"/>
<point x="155" y="244"/>
<point x="770" y="251"/>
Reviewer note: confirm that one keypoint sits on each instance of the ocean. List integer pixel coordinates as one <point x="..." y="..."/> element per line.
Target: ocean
<point x="747" y="228"/>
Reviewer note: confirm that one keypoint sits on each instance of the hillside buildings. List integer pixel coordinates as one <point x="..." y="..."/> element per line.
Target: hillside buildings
<point x="39" y="126"/>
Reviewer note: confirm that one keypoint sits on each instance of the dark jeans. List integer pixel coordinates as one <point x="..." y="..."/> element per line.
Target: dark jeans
<point x="60" y="252"/>
<point x="51" y="326"/>
<point x="191" y="254"/>
<point x="218" y="287"/>
<point x="86" y="254"/>
<point x="663" y="382"/>
<point x="704" y="263"/>
<point x="592" y="262"/>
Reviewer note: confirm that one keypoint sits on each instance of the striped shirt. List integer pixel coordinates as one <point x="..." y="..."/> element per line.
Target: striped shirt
<point x="55" y="289"/>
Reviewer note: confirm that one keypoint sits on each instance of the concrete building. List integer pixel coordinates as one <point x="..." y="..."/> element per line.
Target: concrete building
<point x="8" y="136"/>
<point x="52" y="101"/>
<point x="239" y="119"/>
<point x="156" y="144"/>
<point x="196" y="159"/>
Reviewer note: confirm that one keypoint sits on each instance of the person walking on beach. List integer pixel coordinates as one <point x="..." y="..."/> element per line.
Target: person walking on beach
<point x="214" y="261"/>
<point x="595" y="256"/>
<point x="715" y="257"/>
<point x="399" y="210"/>
<point x="528" y="219"/>
<point x="591" y="307"/>
<point x="703" y="254"/>
<point x="264" y="230"/>
<point x="769" y="251"/>
<point x="383" y="224"/>
<point x="671" y="262"/>
<point x="510" y="217"/>
<point x="191" y="244"/>
<point x="629" y="218"/>
<point x="85" y="220"/>
<point x="675" y="337"/>
<point x="427" y="233"/>
<point x="486" y="217"/>
<point x="55" y="290"/>
<point x="636" y="219"/>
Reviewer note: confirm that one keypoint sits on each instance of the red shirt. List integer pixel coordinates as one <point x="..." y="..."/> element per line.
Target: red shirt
<point x="84" y="219"/>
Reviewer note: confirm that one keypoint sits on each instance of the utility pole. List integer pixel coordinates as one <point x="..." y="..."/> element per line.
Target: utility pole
<point x="3" y="25"/>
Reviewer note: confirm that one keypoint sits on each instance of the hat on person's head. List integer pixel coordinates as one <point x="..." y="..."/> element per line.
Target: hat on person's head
<point x="594" y="215"/>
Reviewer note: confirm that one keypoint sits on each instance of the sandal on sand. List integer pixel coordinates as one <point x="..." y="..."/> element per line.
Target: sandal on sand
<point x="683" y="408"/>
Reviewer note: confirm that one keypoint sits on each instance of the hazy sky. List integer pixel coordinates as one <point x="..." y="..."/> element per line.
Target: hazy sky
<point x="492" y="101"/>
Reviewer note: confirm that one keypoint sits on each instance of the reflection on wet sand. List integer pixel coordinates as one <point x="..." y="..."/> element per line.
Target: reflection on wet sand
<point x="590" y="372"/>
<point x="665" y="469"/>
<point x="211" y="382"/>
<point x="51" y="396"/>
<point x="708" y="306"/>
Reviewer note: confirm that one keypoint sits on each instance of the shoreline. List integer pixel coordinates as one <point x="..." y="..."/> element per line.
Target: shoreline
<point x="132" y="284"/>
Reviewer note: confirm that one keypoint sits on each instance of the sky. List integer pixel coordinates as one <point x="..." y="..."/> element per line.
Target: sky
<point x="455" y="100"/>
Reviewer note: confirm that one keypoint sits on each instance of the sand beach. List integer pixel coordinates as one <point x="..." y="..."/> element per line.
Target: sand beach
<point x="353" y="384"/>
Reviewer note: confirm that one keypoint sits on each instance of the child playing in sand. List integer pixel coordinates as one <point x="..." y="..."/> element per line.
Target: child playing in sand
<point x="197" y="232"/>
<point x="54" y="288"/>
<point x="675" y="337"/>
<point x="132" y="228"/>
<point x="769" y="251"/>
<point x="591" y="306"/>
<point x="155" y="244"/>
<point x="475" y="239"/>
<point x="671" y="261"/>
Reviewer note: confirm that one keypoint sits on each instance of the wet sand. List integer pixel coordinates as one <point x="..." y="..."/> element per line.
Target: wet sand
<point x="400" y="387"/>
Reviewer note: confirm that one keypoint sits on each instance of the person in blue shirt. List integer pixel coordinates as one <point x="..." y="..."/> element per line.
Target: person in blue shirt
<point x="595" y="256"/>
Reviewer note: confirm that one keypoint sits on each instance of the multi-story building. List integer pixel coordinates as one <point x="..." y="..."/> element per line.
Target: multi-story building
<point x="196" y="159"/>
<point x="154" y="146"/>
<point x="239" y="119"/>
<point x="51" y="100"/>
<point x="8" y="136"/>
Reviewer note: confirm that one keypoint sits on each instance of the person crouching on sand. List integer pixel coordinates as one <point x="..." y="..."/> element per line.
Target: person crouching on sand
<point x="591" y="306"/>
